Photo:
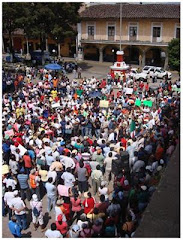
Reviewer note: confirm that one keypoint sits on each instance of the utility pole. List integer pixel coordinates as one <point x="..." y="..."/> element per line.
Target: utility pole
<point x="120" y="23"/>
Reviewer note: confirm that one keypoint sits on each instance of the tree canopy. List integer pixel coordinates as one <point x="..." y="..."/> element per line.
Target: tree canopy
<point x="174" y="54"/>
<point x="41" y="19"/>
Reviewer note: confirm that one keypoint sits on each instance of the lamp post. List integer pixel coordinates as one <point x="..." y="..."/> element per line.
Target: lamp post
<point x="113" y="55"/>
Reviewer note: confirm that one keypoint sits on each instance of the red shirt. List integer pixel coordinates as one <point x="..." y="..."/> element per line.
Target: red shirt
<point x="62" y="227"/>
<point x="27" y="161"/>
<point x="88" y="204"/>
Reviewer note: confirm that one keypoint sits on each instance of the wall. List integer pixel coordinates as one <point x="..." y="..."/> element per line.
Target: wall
<point x="144" y="29"/>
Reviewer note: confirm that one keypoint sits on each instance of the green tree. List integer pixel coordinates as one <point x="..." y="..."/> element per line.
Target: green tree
<point x="66" y="18"/>
<point x="174" y="54"/>
<point x="11" y="11"/>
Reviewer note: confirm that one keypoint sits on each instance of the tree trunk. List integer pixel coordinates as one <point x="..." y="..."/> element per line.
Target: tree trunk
<point x="11" y="46"/>
<point x="42" y="49"/>
<point x="58" y="49"/>
<point x="27" y="41"/>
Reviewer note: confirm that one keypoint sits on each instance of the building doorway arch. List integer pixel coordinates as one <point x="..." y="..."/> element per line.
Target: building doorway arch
<point x="153" y="57"/>
<point x="91" y="52"/>
<point x="109" y="53"/>
<point x="131" y="55"/>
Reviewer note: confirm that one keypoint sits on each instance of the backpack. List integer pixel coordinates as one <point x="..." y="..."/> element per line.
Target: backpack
<point x="36" y="212"/>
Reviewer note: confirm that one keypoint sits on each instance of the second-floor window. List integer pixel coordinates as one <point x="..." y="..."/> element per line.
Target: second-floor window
<point x="111" y="31"/>
<point x="90" y="30"/>
<point x="156" y="32"/>
<point x="133" y="31"/>
<point x="178" y="32"/>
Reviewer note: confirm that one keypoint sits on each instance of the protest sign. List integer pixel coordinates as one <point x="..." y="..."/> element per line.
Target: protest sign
<point x="147" y="103"/>
<point x="104" y="104"/>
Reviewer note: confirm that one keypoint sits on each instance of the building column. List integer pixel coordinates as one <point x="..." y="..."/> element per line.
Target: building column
<point x="47" y="44"/>
<point x="143" y="58"/>
<point x="2" y="44"/>
<point x="100" y="54"/>
<point x="58" y="49"/>
<point x="27" y="41"/>
<point x="166" y="61"/>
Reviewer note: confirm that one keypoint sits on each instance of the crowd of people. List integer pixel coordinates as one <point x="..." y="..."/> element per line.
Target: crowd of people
<point x="59" y="143"/>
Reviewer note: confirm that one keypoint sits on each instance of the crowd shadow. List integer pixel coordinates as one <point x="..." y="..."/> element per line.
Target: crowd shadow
<point x="46" y="219"/>
<point x="26" y="235"/>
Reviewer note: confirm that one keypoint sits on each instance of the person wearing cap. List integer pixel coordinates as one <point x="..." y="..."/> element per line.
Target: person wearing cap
<point x="96" y="177"/>
<point x="62" y="226"/>
<point x="18" y="206"/>
<point x="35" y="203"/>
<point x="34" y="182"/>
<point x="82" y="219"/>
<point x="143" y="198"/>
<point x="73" y="232"/>
<point x="14" y="227"/>
<point x="8" y="196"/>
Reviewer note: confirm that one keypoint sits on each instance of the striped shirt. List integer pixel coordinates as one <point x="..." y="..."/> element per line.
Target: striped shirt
<point x="23" y="180"/>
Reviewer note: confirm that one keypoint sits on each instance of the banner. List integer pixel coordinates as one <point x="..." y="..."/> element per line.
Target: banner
<point x="55" y="105"/>
<point x="9" y="133"/>
<point x="147" y="103"/>
<point x="138" y="103"/>
<point x="104" y="104"/>
<point x="128" y="90"/>
<point x="63" y="190"/>
<point x="22" y="149"/>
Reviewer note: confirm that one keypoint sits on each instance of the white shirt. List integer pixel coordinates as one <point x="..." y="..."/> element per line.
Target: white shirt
<point x="53" y="234"/>
<point x="108" y="162"/>
<point x="13" y="166"/>
<point x="58" y="211"/>
<point x="68" y="178"/>
<point x="10" y="182"/>
<point x="53" y="175"/>
<point x="67" y="161"/>
<point x="8" y="196"/>
<point x="17" y="203"/>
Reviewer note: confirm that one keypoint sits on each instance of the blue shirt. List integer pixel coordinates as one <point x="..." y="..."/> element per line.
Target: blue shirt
<point x="23" y="180"/>
<point x="14" y="228"/>
<point x="31" y="154"/>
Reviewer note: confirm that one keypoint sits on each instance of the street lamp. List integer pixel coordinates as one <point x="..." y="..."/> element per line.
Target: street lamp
<point x="113" y="55"/>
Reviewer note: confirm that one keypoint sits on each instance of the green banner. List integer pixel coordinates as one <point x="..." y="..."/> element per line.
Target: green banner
<point x="147" y="103"/>
<point x="138" y="102"/>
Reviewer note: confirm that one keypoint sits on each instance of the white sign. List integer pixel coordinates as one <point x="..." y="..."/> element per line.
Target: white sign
<point x="128" y="90"/>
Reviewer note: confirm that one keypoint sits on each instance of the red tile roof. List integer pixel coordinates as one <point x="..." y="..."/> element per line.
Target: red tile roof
<point x="112" y="11"/>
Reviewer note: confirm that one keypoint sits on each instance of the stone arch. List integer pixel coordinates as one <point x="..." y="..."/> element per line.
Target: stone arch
<point x="153" y="57"/>
<point x="108" y="55"/>
<point x="131" y="54"/>
<point x="91" y="52"/>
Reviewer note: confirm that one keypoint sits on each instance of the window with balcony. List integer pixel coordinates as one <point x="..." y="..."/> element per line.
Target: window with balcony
<point x="133" y="33"/>
<point x="177" y="32"/>
<point x="91" y="32"/>
<point x="111" y="32"/>
<point x="156" y="34"/>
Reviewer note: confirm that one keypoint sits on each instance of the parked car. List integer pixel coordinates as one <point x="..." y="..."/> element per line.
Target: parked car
<point x="37" y="56"/>
<point x="157" y="71"/>
<point x="138" y="76"/>
<point x="149" y="70"/>
<point x="161" y="73"/>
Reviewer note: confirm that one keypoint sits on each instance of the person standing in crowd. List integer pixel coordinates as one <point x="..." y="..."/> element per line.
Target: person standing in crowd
<point x="51" y="194"/>
<point x="37" y="212"/>
<point x="19" y="207"/>
<point x="14" y="228"/>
